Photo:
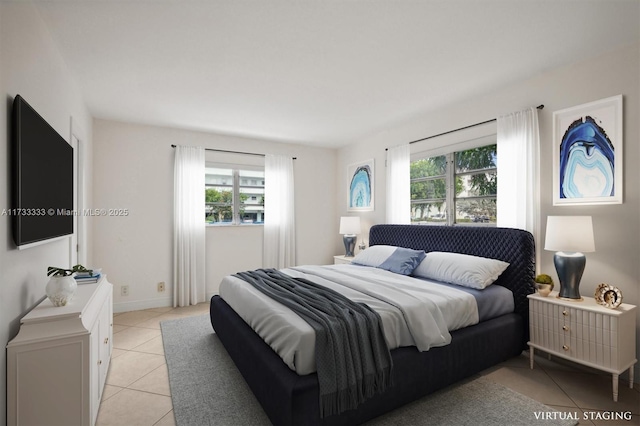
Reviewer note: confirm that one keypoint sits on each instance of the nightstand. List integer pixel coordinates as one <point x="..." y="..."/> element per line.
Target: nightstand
<point x="584" y="332"/>
<point x="342" y="260"/>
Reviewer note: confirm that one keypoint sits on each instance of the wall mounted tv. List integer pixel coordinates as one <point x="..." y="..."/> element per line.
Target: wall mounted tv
<point x="42" y="187"/>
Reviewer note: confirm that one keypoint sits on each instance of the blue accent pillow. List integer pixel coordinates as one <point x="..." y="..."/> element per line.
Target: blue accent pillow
<point x="395" y="259"/>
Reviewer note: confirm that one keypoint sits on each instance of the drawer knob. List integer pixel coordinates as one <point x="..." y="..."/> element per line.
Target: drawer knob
<point x="565" y="313"/>
<point x="99" y="362"/>
<point x="106" y="340"/>
<point x="565" y="327"/>
<point x="565" y="347"/>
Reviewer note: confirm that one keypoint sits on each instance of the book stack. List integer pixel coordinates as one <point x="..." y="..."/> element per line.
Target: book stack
<point x="88" y="277"/>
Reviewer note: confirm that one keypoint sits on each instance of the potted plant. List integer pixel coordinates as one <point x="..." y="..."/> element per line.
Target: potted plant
<point x="544" y="284"/>
<point x="62" y="285"/>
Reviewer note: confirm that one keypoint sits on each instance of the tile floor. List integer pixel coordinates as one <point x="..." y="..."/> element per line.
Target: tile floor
<point x="137" y="390"/>
<point x="137" y="387"/>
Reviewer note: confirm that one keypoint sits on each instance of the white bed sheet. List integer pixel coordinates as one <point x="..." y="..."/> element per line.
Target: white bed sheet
<point x="413" y="311"/>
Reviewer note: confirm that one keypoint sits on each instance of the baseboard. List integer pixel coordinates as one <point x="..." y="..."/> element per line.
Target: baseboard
<point x="137" y="305"/>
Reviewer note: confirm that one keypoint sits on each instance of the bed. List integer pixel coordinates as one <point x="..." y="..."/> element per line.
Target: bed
<point x="292" y="399"/>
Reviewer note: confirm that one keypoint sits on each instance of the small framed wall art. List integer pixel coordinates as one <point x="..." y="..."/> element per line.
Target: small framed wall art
<point x="360" y="195"/>
<point x="587" y="153"/>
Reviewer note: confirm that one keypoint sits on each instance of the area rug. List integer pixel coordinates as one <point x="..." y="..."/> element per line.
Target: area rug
<point x="207" y="389"/>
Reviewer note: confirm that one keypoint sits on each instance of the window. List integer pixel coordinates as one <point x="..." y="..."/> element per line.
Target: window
<point x="455" y="188"/>
<point x="233" y="196"/>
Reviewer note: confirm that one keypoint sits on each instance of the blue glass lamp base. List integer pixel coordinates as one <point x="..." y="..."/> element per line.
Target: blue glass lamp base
<point x="349" y="244"/>
<point x="570" y="267"/>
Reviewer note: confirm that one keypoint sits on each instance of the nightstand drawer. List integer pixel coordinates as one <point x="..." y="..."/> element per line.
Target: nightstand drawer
<point x="591" y="351"/>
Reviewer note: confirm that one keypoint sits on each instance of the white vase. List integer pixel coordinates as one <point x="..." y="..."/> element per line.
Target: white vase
<point x="60" y="290"/>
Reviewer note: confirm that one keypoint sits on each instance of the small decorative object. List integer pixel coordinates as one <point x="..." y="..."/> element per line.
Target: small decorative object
<point x="608" y="296"/>
<point x="362" y="245"/>
<point x="569" y="236"/>
<point x="349" y="227"/>
<point x="587" y="153"/>
<point x="62" y="285"/>
<point x="88" y="277"/>
<point x="544" y="284"/>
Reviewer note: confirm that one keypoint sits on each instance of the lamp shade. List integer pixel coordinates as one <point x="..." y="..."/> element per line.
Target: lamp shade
<point x="569" y="234"/>
<point x="350" y="225"/>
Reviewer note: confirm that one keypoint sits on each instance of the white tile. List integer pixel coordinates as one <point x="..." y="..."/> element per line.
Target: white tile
<point x="153" y="346"/>
<point x="117" y="352"/>
<point x="133" y="336"/>
<point x="155" y="322"/>
<point x="168" y="420"/>
<point x="134" y="317"/>
<point x="156" y="381"/>
<point x="109" y="391"/>
<point x="594" y="391"/>
<point x="117" y="328"/>
<point x="199" y="309"/>
<point x="162" y="310"/>
<point x="535" y="384"/>
<point x="129" y="367"/>
<point x="131" y="407"/>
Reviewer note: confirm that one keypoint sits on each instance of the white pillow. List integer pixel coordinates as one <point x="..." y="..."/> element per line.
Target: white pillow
<point x="460" y="269"/>
<point x="395" y="259"/>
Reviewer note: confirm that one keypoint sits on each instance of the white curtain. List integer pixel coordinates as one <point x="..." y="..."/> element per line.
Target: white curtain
<point x="279" y="219"/>
<point x="518" y="159"/>
<point x="398" y="185"/>
<point x="188" y="227"/>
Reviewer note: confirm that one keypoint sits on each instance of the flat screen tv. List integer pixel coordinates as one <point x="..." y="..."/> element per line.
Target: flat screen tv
<point x="42" y="187"/>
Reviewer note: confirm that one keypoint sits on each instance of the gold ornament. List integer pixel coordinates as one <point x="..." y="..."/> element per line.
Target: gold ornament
<point x="608" y="296"/>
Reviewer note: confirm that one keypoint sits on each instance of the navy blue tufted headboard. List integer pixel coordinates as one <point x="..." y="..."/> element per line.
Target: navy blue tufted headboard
<point x="510" y="245"/>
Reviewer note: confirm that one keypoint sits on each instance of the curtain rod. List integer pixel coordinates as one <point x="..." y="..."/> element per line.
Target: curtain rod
<point x="461" y="128"/>
<point x="234" y="152"/>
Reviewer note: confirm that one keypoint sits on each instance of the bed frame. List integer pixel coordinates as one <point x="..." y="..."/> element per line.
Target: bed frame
<point x="290" y="399"/>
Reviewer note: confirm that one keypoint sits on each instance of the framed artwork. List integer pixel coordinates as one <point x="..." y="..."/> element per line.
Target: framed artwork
<point x="360" y="190"/>
<point x="587" y="153"/>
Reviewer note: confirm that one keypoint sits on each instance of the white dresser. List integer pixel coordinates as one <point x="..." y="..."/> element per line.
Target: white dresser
<point x="585" y="332"/>
<point x="58" y="362"/>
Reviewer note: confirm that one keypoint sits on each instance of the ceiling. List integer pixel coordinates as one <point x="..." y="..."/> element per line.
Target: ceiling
<point x="316" y="72"/>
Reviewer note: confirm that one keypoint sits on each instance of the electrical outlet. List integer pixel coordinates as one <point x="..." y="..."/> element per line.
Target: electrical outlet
<point x="124" y="290"/>
<point x="161" y="287"/>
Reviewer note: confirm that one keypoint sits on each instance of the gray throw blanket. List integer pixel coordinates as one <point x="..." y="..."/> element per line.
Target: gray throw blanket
<point x="352" y="358"/>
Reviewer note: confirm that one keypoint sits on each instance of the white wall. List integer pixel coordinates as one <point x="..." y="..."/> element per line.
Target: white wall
<point x="133" y="169"/>
<point x="616" y="228"/>
<point x="31" y="66"/>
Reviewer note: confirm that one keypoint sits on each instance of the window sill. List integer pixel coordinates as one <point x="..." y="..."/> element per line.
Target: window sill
<point x="233" y="225"/>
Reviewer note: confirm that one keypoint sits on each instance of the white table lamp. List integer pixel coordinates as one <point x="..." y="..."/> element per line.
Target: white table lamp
<point x="349" y="227"/>
<point x="569" y="236"/>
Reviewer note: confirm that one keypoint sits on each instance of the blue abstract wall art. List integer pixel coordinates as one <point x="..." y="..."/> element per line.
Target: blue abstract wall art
<point x="360" y="188"/>
<point x="587" y="153"/>
<point x="360" y="194"/>
<point x="586" y="161"/>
